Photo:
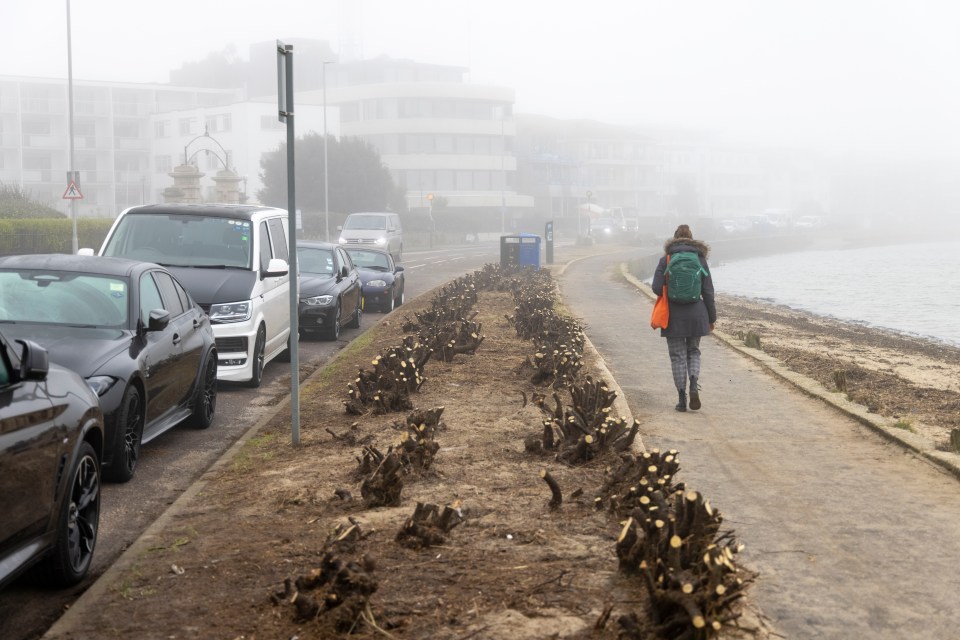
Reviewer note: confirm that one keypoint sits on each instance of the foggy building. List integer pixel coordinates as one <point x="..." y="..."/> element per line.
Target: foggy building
<point x="435" y="133"/>
<point x="112" y="138"/>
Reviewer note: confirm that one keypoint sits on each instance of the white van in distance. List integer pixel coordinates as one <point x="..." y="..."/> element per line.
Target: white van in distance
<point x="233" y="259"/>
<point x="381" y="230"/>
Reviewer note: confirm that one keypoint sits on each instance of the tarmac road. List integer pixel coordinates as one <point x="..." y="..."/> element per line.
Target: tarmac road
<point x="852" y="535"/>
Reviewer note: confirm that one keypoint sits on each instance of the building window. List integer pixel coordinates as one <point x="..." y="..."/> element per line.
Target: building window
<point x="162" y="164"/>
<point x="226" y="122"/>
<point x="126" y="129"/>
<point x="188" y="126"/>
<point x="481" y="180"/>
<point x="271" y="123"/>
<point x="445" y="180"/>
<point x="464" y="180"/>
<point x="36" y="127"/>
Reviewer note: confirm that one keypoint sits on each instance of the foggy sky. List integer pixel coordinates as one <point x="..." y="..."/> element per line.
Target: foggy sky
<point x="869" y="78"/>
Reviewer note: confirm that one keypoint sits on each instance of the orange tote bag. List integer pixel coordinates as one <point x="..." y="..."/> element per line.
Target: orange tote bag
<point x="661" y="309"/>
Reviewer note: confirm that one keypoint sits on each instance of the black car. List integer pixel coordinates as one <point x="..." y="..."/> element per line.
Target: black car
<point x="382" y="278"/>
<point x="130" y="329"/>
<point x="51" y="437"/>
<point x="331" y="294"/>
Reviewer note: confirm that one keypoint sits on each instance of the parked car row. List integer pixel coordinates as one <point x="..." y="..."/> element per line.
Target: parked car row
<point x="101" y="353"/>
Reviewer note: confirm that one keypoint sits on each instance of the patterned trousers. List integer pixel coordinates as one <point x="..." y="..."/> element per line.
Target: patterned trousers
<point x="684" y="359"/>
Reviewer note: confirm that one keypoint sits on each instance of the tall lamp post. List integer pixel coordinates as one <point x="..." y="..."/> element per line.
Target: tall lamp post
<point x="326" y="172"/>
<point x="73" y="202"/>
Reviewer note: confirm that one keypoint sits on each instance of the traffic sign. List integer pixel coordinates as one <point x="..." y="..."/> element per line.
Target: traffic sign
<point x="72" y="192"/>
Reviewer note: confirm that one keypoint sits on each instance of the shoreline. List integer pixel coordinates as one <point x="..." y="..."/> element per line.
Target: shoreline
<point x="912" y="379"/>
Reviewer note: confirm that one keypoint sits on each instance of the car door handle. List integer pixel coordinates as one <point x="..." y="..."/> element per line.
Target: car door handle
<point x="176" y="338"/>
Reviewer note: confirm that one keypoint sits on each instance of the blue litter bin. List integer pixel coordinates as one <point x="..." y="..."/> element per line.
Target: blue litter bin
<point x="521" y="249"/>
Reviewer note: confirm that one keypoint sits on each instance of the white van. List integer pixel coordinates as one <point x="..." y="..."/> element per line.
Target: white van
<point x="381" y="230"/>
<point x="233" y="259"/>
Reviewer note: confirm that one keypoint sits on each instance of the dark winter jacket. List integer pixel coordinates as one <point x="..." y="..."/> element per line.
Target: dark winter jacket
<point x="687" y="320"/>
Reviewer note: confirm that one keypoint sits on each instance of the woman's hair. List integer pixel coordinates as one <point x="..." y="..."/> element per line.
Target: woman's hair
<point x="683" y="231"/>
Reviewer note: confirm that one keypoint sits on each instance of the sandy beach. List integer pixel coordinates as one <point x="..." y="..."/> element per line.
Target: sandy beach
<point x="913" y="380"/>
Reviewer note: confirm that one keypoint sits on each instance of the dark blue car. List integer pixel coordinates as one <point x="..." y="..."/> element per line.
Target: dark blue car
<point x="383" y="279"/>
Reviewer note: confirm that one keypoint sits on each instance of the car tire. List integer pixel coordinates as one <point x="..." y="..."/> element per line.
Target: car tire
<point x="357" y="314"/>
<point x="77" y="523"/>
<point x="258" y="358"/>
<point x="205" y="402"/>
<point x="126" y="447"/>
<point x="333" y="333"/>
<point x="387" y="307"/>
<point x="400" y="299"/>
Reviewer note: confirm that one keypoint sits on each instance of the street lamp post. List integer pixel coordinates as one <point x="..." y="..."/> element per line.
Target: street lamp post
<point x="73" y="201"/>
<point x="503" y="174"/>
<point x="326" y="172"/>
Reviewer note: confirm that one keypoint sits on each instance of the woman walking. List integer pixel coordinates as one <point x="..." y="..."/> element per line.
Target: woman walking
<point x="693" y="311"/>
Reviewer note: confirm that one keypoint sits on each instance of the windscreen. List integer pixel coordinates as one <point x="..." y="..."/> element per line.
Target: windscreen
<point x="63" y="298"/>
<point x="183" y="241"/>
<point x="365" y="222"/>
<point x="369" y="259"/>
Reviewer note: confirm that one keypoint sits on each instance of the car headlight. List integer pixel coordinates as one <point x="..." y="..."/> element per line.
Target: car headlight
<point x="318" y="301"/>
<point x="377" y="283"/>
<point x="230" y="312"/>
<point x="380" y="242"/>
<point x="342" y="240"/>
<point x="100" y="384"/>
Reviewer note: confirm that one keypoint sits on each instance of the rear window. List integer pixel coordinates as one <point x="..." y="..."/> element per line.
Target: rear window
<point x="183" y="241"/>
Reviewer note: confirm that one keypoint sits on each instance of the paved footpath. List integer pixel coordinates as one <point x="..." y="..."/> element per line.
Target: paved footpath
<point x="853" y="536"/>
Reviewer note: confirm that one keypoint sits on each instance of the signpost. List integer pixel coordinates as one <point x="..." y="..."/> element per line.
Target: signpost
<point x="285" y="114"/>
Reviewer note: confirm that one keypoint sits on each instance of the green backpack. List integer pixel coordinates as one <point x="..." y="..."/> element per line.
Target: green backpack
<point x="684" y="277"/>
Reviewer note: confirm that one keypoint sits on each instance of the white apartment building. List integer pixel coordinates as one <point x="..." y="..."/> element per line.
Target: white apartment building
<point x="128" y="137"/>
<point x="112" y="138"/>
<point x="435" y="133"/>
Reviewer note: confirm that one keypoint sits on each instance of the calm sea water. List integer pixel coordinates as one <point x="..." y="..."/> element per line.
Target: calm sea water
<point x="910" y="288"/>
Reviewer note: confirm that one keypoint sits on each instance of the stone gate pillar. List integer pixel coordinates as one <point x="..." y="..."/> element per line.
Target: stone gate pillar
<point x="186" y="178"/>
<point x="227" y="186"/>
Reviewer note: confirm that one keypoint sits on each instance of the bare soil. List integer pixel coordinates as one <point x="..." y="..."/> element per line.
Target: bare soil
<point x="514" y="568"/>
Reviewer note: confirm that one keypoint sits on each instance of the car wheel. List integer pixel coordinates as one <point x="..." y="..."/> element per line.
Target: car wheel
<point x="126" y="449"/>
<point x="400" y="298"/>
<point x="333" y="333"/>
<point x="205" y="402"/>
<point x="258" y="349"/>
<point x="388" y="306"/>
<point x="77" y="523"/>
<point x="357" y="314"/>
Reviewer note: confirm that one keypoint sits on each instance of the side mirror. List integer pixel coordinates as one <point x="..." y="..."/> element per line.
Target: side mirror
<point x="86" y="251"/>
<point x="159" y="319"/>
<point x="339" y="227"/>
<point x="397" y="269"/>
<point x="275" y="268"/>
<point x="344" y="271"/>
<point x="34" y="361"/>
